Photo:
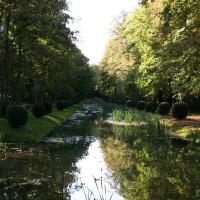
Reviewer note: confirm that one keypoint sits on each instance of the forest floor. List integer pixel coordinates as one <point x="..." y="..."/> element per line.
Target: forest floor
<point x="36" y="129"/>
<point x="183" y="127"/>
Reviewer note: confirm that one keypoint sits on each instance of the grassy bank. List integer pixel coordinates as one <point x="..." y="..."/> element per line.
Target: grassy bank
<point x="36" y="128"/>
<point x="189" y="127"/>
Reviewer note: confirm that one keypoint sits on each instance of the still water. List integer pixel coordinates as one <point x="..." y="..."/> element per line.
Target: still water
<point x="69" y="171"/>
<point x="89" y="166"/>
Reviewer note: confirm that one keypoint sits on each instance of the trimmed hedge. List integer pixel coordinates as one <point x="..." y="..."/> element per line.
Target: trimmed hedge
<point x="164" y="108"/>
<point x="180" y="110"/>
<point x="130" y="103"/>
<point x="38" y="111"/>
<point x="61" y="105"/>
<point x="48" y="107"/>
<point x="17" y="116"/>
<point x="151" y="107"/>
<point x="140" y="105"/>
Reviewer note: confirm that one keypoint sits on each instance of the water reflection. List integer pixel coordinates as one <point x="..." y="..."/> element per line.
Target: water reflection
<point x="154" y="170"/>
<point x="146" y="168"/>
<point x="42" y="172"/>
<point x="94" y="167"/>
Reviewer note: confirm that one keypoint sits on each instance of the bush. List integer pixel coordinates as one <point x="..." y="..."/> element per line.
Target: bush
<point x="180" y="110"/>
<point x="130" y="103"/>
<point x="164" y="108"/>
<point x="38" y="111"/>
<point x="65" y="104"/>
<point x="140" y="105"/>
<point x="151" y="107"/>
<point x="17" y="116"/>
<point x="60" y="105"/>
<point x="48" y="107"/>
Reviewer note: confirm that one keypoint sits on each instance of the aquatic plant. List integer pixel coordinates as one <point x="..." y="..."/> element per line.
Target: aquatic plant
<point x="101" y="190"/>
<point x="3" y="146"/>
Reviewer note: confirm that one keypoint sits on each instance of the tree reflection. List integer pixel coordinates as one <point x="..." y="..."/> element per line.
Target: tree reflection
<point x="44" y="172"/>
<point x="154" y="170"/>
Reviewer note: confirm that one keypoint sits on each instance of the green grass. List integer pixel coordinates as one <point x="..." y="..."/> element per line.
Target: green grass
<point x="36" y="129"/>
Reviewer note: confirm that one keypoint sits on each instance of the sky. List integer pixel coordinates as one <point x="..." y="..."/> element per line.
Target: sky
<point x="93" y="20"/>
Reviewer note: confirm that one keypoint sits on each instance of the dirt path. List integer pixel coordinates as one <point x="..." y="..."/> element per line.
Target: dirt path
<point x="192" y="121"/>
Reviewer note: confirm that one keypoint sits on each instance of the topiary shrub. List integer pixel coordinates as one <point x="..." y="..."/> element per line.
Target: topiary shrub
<point x="140" y="105"/>
<point x="164" y="108"/>
<point x="65" y="104"/>
<point x="38" y="111"/>
<point x="48" y="107"/>
<point x="60" y="105"/>
<point x="151" y="107"/>
<point x="180" y="110"/>
<point x="17" y="116"/>
<point x="130" y="103"/>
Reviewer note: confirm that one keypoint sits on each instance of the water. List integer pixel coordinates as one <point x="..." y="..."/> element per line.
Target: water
<point x="68" y="168"/>
<point x="94" y="166"/>
<point x="56" y="171"/>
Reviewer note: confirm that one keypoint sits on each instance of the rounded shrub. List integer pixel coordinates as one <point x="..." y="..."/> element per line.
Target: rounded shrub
<point x="48" y="107"/>
<point x="38" y="111"/>
<point x="130" y="103"/>
<point x="140" y="105"/>
<point x="65" y="104"/>
<point x="151" y="107"/>
<point x="60" y="105"/>
<point x="164" y="108"/>
<point x="17" y="116"/>
<point x="180" y="110"/>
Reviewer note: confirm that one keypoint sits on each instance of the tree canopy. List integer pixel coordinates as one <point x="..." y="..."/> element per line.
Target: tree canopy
<point x="37" y="49"/>
<point x="154" y="48"/>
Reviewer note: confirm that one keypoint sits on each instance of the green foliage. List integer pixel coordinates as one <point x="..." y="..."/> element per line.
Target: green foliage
<point x="37" y="48"/>
<point x="48" y="107"/>
<point x="38" y="110"/>
<point x="180" y="110"/>
<point x="164" y="108"/>
<point x="154" y="48"/>
<point x="17" y="116"/>
<point x="151" y="107"/>
<point x="141" y="105"/>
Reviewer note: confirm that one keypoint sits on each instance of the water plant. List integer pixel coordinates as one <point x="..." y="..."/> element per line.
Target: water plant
<point x="3" y="146"/>
<point x="101" y="190"/>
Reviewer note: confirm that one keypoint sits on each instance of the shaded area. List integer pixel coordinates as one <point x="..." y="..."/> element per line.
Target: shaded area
<point x="42" y="172"/>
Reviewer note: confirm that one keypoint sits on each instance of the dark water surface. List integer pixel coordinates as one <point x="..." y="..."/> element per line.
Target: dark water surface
<point x="145" y="169"/>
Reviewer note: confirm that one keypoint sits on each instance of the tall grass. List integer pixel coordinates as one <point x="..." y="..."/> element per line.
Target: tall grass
<point x="130" y="115"/>
<point x="101" y="190"/>
<point x="146" y="124"/>
<point x="3" y="146"/>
